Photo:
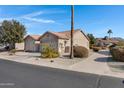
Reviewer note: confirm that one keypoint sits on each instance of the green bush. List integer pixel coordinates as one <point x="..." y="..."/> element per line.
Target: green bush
<point x="117" y="53"/>
<point x="96" y="49"/>
<point x="49" y="53"/>
<point x="80" y="52"/>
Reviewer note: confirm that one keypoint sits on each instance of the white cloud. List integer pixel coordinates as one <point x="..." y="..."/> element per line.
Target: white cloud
<point x="31" y="17"/>
<point x="39" y="20"/>
<point x="33" y="14"/>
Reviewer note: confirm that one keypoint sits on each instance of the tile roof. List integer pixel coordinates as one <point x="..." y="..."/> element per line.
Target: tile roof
<point x="61" y="35"/>
<point x="35" y="37"/>
<point x="67" y="34"/>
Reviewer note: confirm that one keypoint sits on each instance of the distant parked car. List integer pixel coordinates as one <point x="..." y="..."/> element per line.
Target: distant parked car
<point x="7" y="47"/>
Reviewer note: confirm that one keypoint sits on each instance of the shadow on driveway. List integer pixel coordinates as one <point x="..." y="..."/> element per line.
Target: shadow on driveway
<point x="115" y="65"/>
<point x="102" y="59"/>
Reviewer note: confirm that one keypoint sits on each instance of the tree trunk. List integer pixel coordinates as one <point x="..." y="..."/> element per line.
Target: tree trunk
<point x="109" y="35"/>
<point x="72" y="30"/>
<point x="12" y="45"/>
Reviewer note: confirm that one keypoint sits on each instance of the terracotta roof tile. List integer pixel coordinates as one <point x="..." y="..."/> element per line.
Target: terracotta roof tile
<point x="35" y="37"/>
<point x="66" y="34"/>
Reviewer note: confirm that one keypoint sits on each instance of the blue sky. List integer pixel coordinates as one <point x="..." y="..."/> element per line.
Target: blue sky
<point x="91" y="19"/>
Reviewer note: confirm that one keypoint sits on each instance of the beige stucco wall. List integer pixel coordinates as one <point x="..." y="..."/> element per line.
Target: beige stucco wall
<point x="49" y="40"/>
<point x="29" y="44"/>
<point x="62" y="45"/>
<point x="81" y="40"/>
<point x="20" y="46"/>
<point x="59" y="44"/>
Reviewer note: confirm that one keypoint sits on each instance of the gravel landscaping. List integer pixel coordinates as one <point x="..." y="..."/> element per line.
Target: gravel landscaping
<point x="35" y="58"/>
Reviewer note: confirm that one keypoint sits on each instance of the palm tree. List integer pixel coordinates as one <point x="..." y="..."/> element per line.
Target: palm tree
<point x="109" y="32"/>
<point x="72" y="31"/>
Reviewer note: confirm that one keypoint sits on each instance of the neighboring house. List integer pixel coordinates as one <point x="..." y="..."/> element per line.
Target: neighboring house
<point x="32" y="43"/>
<point x="105" y="42"/>
<point x="60" y="41"/>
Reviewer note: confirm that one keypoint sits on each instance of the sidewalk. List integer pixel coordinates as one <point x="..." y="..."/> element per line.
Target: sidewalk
<point x="96" y="63"/>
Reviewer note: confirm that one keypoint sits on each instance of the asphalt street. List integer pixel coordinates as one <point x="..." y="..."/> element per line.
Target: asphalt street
<point x="19" y="75"/>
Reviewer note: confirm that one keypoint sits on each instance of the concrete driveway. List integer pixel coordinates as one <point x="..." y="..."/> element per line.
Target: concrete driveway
<point x="97" y="63"/>
<point x="94" y="64"/>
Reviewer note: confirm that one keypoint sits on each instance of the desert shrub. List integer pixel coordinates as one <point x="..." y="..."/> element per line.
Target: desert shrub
<point x="49" y="53"/>
<point x="80" y="51"/>
<point x="96" y="49"/>
<point x="12" y="51"/>
<point x="117" y="53"/>
<point x="91" y="46"/>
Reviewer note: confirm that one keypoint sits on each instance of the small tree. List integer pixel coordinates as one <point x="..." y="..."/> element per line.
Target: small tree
<point x="92" y="39"/>
<point x="109" y="32"/>
<point x="12" y="32"/>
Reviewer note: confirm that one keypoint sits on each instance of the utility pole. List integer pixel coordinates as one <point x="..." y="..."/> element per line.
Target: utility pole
<point x="72" y="31"/>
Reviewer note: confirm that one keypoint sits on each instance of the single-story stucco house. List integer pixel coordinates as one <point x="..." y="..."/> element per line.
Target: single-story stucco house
<point x="60" y="41"/>
<point x="32" y="43"/>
